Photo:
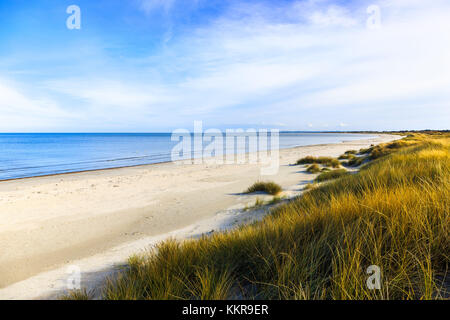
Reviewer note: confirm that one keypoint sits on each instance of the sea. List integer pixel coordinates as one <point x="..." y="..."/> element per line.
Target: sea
<point x="37" y="154"/>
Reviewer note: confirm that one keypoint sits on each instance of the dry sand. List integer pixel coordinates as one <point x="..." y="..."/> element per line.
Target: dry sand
<point x="96" y="219"/>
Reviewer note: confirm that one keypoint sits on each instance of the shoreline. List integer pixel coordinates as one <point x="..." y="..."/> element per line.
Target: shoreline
<point x="170" y="161"/>
<point x="104" y="226"/>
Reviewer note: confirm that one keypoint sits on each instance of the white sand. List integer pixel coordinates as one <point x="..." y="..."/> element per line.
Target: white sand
<point x="96" y="220"/>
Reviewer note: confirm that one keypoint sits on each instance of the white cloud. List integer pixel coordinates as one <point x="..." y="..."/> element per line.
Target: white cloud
<point x="109" y="93"/>
<point x="300" y="67"/>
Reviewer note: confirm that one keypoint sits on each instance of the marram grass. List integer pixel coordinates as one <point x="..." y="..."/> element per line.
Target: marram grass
<point x="326" y="161"/>
<point x="329" y="175"/>
<point x="267" y="187"/>
<point x="313" y="168"/>
<point x="394" y="213"/>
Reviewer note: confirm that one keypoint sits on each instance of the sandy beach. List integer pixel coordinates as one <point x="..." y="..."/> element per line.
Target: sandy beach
<point x="96" y="219"/>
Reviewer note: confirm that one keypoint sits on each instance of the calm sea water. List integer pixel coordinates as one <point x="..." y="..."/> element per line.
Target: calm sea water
<point x="27" y="155"/>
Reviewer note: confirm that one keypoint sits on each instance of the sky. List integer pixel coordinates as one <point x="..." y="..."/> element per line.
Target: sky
<point x="160" y="65"/>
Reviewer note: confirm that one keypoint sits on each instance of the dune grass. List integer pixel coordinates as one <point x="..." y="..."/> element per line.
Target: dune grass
<point x="383" y="149"/>
<point x="313" y="168"/>
<point x="365" y="150"/>
<point x="355" y="161"/>
<point x="329" y="175"/>
<point x="347" y="156"/>
<point x="326" y="161"/>
<point x="80" y="294"/>
<point x="375" y="152"/>
<point x="310" y="186"/>
<point x="306" y="160"/>
<point x="393" y="213"/>
<point x="267" y="187"/>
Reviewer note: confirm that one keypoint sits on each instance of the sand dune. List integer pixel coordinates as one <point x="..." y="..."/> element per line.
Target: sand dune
<point x="96" y="219"/>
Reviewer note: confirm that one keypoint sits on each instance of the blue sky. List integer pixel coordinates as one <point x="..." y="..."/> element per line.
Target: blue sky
<point x="158" y="65"/>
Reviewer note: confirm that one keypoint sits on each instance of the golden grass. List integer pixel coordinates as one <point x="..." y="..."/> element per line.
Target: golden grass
<point x="433" y="154"/>
<point x="329" y="175"/>
<point x="347" y="156"/>
<point x="267" y="187"/>
<point x="355" y="161"/>
<point x="326" y="161"/>
<point x="394" y="213"/>
<point x="313" y="168"/>
<point x="77" y="295"/>
<point x="310" y="186"/>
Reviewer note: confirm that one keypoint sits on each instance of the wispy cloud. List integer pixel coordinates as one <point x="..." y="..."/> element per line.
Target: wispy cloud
<point x="332" y="16"/>
<point x="20" y="112"/>
<point x="149" y="6"/>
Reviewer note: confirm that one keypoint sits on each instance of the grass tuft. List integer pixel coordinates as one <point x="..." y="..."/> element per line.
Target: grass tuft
<point x="81" y="294"/>
<point x="326" y="161"/>
<point x="325" y="176"/>
<point x="313" y="168"/>
<point x="347" y="156"/>
<point x="356" y="161"/>
<point x="267" y="187"/>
